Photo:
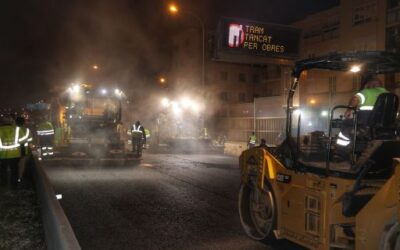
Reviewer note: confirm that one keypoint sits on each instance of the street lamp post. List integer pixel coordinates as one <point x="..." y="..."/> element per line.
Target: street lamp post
<point x="173" y="9"/>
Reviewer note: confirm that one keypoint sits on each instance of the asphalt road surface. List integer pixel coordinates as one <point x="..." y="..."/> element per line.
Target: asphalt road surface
<point x="164" y="201"/>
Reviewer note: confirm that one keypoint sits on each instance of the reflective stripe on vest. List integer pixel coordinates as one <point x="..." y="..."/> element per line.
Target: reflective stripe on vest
<point x="25" y="137"/>
<point x="368" y="97"/>
<point x="366" y="107"/>
<point x="342" y="140"/>
<point x="134" y="129"/>
<point x="362" y="97"/>
<point x="46" y="132"/>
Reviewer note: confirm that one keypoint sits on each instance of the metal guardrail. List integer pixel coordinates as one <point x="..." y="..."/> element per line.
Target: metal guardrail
<point x="58" y="231"/>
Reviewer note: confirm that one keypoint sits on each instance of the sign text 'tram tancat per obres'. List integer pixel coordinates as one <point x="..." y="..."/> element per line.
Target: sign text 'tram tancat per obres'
<point x="259" y="38"/>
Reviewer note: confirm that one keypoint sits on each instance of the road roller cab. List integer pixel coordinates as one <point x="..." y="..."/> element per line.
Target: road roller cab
<point x="307" y="191"/>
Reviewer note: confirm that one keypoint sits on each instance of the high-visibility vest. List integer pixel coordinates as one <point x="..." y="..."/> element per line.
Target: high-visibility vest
<point x="368" y="97"/>
<point x="136" y="132"/>
<point x="11" y="138"/>
<point x="252" y="139"/>
<point x="147" y="133"/>
<point x="45" y="128"/>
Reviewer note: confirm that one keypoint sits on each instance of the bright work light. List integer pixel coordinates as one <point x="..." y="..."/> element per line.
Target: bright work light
<point x="355" y="69"/>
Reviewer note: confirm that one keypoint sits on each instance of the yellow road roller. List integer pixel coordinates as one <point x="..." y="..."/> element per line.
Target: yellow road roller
<point x="314" y="191"/>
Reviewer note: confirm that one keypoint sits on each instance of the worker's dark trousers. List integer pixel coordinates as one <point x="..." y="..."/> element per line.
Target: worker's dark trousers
<point x="11" y="164"/>
<point x="347" y="130"/>
<point x="137" y="145"/>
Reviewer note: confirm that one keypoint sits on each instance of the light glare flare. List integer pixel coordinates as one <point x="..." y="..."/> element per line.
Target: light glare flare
<point x="176" y="109"/>
<point x="186" y="102"/>
<point x="195" y="107"/>
<point x="118" y="92"/>
<point x="76" y="88"/>
<point x="165" y="102"/>
<point x="173" y="8"/>
<point x="297" y="112"/>
<point x="355" y="69"/>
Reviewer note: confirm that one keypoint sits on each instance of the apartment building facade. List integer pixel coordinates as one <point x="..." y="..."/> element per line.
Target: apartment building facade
<point x="248" y="95"/>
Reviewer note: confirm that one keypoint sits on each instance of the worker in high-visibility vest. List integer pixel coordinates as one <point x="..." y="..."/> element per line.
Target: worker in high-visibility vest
<point x="26" y="138"/>
<point x="13" y="143"/>
<point x="252" y="140"/>
<point x="138" y="138"/>
<point x="45" y="133"/>
<point x="147" y="135"/>
<point x="364" y="101"/>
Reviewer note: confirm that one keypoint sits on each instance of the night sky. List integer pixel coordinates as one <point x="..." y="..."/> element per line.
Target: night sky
<point x="47" y="44"/>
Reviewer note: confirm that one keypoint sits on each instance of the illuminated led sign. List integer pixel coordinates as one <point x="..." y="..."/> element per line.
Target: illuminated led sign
<point x="258" y="38"/>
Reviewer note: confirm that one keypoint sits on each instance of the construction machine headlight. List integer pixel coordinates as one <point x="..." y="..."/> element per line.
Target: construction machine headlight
<point x="118" y="92"/>
<point x="355" y="68"/>
<point x="103" y="91"/>
<point x="186" y="103"/>
<point x="75" y="88"/>
<point x="176" y="108"/>
<point x="165" y="102"/>
<point x="75" y="92"/>
<point x="297" y="112"/>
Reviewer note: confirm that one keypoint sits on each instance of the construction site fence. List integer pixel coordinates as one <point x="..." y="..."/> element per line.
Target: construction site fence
<point x="240" y="128"/>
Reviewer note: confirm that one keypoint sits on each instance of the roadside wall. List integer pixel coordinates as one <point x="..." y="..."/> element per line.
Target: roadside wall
<point x="58" y="231"/>
<point x="234" y="148"/>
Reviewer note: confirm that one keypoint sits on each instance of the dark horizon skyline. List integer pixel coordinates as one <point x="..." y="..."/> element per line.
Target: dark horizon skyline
<point x="47" y="44"/>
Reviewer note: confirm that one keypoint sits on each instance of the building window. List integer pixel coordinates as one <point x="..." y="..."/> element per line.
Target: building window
<point x="273" y="88"/>
<point x="256" y="78"/>
<point x="242" y="97"/>
<point x="223" y="96"/>
<point x="393" y="3"/>
<point x="364" y="13"/>
<point x="242" y="77"/>
<point x="223" y="76"/>
<point x="273" y="72"/>
<point x="393" y="39"/>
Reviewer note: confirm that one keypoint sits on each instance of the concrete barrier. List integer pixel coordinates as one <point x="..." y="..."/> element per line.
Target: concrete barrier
<point x="58" y="231"/>
<point x="234" y="148"/>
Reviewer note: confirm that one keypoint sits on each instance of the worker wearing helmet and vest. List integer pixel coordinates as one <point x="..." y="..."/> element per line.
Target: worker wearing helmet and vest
<point x="45" y="132"/>
<point x="366" y="98"/>
<point x="252" y="140"/>
<point x="364" y="102"/>
<point x="138" y="138"/>
<point x="13" y="144"/>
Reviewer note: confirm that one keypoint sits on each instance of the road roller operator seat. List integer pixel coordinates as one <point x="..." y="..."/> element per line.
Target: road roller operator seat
<point x="382" y="120"/>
